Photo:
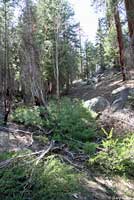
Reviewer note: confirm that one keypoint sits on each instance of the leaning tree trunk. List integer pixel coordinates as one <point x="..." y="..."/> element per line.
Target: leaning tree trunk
<point x="120" y="41"/>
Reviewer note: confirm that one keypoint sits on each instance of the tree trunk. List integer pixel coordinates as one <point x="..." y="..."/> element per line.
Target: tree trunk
<point x="31" y="73"/>
<point x="57" y="66"/>
<point x="81" y="58"/>
<point x="129" y="4"/>
<point x="57" y="31"/>
<point x="120" y="41"/>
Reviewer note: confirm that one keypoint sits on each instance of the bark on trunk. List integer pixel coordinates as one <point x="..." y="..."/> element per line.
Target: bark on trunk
<point x="57" y="65"/>
<point x="31" y="74"/>
<point x="129" y="4"/>
<point x="120" y="41"/>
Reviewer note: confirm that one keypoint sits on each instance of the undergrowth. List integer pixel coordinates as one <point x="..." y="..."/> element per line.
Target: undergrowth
<point x="69" y="121"/>
<point x="49" y="180"/>
<point x="28" y="116"/>
<point x="116" y="155"/>
<point x="75" y="126"/>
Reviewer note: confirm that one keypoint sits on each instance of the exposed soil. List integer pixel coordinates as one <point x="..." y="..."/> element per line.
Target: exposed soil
<point x="104" y="88"/>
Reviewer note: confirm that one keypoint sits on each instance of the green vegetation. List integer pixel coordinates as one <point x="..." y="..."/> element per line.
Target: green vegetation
<point x="73" y="120"/>
<point x="90" y="148"/>
<point x="44" y="54"/>
<point x="74" y="125"/>
<point x="50" y="179"/>
<point x="71" y="124"/>
<point x="27" y="116"/>
<point x="116" y="155"/>
<point x="68" y="119"/>
<point x="42" y="139"/>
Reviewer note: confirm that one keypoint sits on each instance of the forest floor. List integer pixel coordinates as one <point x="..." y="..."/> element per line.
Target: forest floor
<point x="97" y="185"/>
<point x="105" y="187"/>
<point x="110" y="82"/>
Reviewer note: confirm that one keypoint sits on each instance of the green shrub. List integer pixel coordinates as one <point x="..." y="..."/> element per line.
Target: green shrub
<point x="116" y="155"/>
<point x="41" y="139"/>
<point x="73" y="120"/>
<point x="90" y="148"/>
<point x="5" y="155"/>
<point x="67" y="119"/>
<point x="56" y="181"/>
<point x="50" y="180"/>
<point x="27" y="116"/>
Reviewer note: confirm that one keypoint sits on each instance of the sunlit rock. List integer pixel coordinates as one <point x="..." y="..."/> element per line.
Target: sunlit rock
<point x="97" y="104"/>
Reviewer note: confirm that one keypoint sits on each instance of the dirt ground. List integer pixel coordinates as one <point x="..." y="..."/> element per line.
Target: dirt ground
<point x="104" y="88"/>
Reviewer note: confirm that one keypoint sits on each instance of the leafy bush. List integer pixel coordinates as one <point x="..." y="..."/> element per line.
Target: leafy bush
<point x="73" y="120"/>
<point x="116" y="155"/>
<point x="50" y="180"/>
<point x="27" y="116"/>
<point x="68" y="120"/>
<point x="57" y="181"/>
<point x="90" y="148"/>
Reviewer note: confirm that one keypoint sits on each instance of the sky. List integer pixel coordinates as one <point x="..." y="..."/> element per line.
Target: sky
<point x="87" y="17"/>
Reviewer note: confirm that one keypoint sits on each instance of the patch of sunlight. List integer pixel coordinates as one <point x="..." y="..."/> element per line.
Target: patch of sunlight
<point x="130" y="83"/>
<point x="77" y="81"/>
<point x="115" y="83"/>
<point x="93" y="113"/>
<point x="117" y="90"/>
<point x="94" y="185"/>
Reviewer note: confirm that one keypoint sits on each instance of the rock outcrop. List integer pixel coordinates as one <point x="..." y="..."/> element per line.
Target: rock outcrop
<point x="97" y="104"/>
